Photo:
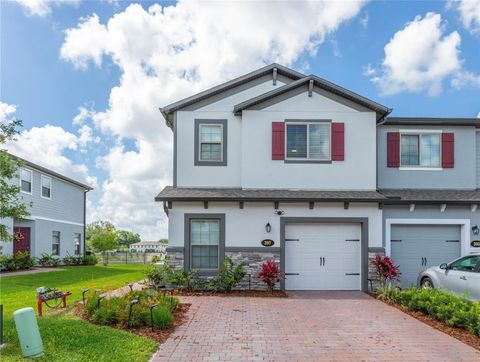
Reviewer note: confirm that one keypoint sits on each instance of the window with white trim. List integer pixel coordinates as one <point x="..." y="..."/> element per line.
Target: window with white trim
<point x="308" y="141"/>
<point x="211" y="142"/>
<point x="420" y="150"/>
<point x="46" y="187"/>
<point x="204" y="243"/>
<point x="26" y="180"/>
<point x="55" y="242"/>
<point x="76" y="243"/>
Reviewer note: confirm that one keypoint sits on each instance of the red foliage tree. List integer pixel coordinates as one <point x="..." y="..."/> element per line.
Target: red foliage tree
<point x="386" y="270"/>
<point x="270" y="274"/>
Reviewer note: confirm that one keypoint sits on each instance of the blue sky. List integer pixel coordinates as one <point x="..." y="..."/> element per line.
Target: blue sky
<point x="116" y="66"/>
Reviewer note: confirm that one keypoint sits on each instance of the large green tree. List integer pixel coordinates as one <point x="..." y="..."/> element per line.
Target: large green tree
<point x="126" y="238"/>
<point x="11" y="204"/>
<point x="101" y="236"/>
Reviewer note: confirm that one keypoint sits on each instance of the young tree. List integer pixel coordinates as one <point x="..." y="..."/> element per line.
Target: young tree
<point x="126" y="238"/>
<point x="101" y="236"/>
<point x="11" y="205"/>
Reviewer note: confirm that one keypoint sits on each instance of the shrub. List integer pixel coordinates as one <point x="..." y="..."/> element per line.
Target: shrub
<point x="21" y="260"/>
<point x="48" y="260"/>
<point x="228" y="276"/>
<point x="270" y="274"/>
<point x="386" y="270"/>
<point x="162" y="317"/>
<point x="158" y="275"/>
<point x="388" y="293"/>
<point x="444" y="306"/>
<point x="69" y="260"/>
<point x="110" y="311"/>
<point x="89" y="260"/>
<point x="156" y="259"/>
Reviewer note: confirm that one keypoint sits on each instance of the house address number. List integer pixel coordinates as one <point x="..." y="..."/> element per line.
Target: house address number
<point x="475" y="243"/>
<point x="268" y="242"/>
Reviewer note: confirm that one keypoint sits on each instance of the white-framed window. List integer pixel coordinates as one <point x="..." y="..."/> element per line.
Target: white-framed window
<point x="77" y="237"/>
<point x="422" y="150"/>
<point x="308" y="141"/>
<point x="204" y="243"/>
<point x="46" y="187"/>
<point x="55" y="242"/>
<point x="26" y="180"/>
<point x="211" y="142"/>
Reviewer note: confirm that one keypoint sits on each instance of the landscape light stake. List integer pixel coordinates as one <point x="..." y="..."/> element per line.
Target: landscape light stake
<point x="132" y="303"/>
<point x="151" y="313"/>
<point x="97" y="291"/>
<point x="100" y="297"/>
<point x="83" y="295"/>
<point x="130" y="285"/>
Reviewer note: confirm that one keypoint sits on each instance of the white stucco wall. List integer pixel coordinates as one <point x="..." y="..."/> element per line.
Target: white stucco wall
<point x="246" y="227"/>
<point x="7" y="247"/>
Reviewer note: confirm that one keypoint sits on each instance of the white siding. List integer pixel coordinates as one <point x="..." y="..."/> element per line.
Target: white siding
<point x="246" y="227"/>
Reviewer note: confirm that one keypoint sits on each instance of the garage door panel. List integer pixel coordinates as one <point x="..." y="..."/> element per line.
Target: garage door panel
<point x="417" y="247"/>
<point x="322" y="255"/>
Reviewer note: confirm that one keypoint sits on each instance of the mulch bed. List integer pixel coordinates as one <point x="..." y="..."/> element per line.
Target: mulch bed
<point x="458" y="333"/>
<point x="235" y="293"/>
<point x="180" y="316"/>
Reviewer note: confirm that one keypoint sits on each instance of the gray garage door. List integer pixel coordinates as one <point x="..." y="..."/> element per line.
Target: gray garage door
<point x="417" y="247"/>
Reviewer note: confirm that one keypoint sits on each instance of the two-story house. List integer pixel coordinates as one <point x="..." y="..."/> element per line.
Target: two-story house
<point x="57" y="206"/>
<point x="276" y="164"/>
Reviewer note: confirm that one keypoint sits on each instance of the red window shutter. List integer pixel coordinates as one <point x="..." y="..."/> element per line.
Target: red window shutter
<point x="338" y="141"/>
<point x="393" y="149"/>
<point x="278" y="140"/>
<point x="448" y="150"/>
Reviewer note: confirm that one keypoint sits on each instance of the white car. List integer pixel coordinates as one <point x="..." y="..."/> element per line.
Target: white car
<point x="461" y="275"/>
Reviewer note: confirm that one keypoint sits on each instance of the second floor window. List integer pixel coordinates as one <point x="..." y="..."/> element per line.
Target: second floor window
<point x="55" y="242"/>
<point x="26" y="180"/>
<point x="46" y="187"/>
<point x="211" y="142"/>
<point x="420" y="150"/>
<point x="308" y="141"/>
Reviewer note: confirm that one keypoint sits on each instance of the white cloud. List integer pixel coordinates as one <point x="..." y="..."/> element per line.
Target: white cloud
<point x="43" y="7"/>
<point x="364" y="21"/>
<point x="420" y="57"/>
<point x="465" y="78"/>
<point x="167" y="53"/>
<point x="368" y="70"/>
<point x="469" y="11"/>
<point x="6" y="110"/>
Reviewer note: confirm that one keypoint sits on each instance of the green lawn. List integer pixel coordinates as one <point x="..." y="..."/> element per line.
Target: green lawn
<point x="65" y="337"/>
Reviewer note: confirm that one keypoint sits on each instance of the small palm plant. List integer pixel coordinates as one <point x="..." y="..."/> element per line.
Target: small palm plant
<point x="270" y="274"/>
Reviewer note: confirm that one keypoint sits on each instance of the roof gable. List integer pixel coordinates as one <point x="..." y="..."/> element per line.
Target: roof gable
<point x="307" y="83"/>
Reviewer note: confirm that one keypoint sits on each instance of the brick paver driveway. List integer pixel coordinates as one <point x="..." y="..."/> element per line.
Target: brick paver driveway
<point x="308" y="326"/>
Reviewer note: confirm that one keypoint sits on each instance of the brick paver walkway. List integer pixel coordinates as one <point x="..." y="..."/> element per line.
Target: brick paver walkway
<point x="321" y="326"/>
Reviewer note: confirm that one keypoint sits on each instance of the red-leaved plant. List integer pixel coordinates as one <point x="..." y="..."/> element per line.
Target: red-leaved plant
<point x="386" y="270"/>
<point x="270" y="274"/>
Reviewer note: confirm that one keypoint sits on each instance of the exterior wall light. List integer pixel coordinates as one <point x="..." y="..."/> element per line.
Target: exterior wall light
<point x="475" y="230"/>
<point x="268" y="227"/>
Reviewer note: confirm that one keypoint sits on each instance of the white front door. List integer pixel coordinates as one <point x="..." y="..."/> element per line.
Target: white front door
<point x="323" y="256"/>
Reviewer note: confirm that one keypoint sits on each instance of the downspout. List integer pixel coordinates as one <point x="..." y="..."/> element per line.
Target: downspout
<point x="381" y="122"/>
<point x="84" y="221"/>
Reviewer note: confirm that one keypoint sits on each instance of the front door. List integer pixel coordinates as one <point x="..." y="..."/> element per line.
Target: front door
<point x="21" y="240"/>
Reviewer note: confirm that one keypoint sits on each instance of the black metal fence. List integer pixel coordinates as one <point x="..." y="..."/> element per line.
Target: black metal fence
<point x="126" y="257"/>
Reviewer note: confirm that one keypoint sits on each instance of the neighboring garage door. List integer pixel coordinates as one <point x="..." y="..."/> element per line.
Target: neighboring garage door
<point x="417" y="247"/>
<point x="322" y="256"/>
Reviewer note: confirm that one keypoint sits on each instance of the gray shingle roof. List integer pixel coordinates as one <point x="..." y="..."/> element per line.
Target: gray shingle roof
<point x="433" y="196"/>
<point x="390" y="196"/>
<point x="170" y="193"/>
<point x="428" y="121"/>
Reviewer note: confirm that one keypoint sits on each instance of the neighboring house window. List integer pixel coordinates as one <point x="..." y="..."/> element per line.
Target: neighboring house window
<point x="210" y="142"/>
<point x="308" y="141"/>
<point x="26" y="180"/>
<point x="76" y="241"/>
<point x="204" y="243"/>
<point x="46" y="187"/>
<point x="420" y="150"/>
<point x="55" y="242"/>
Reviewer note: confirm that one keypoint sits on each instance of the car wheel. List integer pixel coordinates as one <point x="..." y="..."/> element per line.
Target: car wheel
<point x="427" y="283"/>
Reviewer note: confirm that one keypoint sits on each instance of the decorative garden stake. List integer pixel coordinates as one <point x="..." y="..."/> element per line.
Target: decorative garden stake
<point x="132" y="303"/>
<point x="83" y="295"/>
<point x="151" y="313"/>
<point x="100" y="297"/>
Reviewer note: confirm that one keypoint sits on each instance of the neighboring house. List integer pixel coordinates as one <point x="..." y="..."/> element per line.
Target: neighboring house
<point x="322" y="172"/>
<point x="56" y="224"/>
<point x="148" y="246"/>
